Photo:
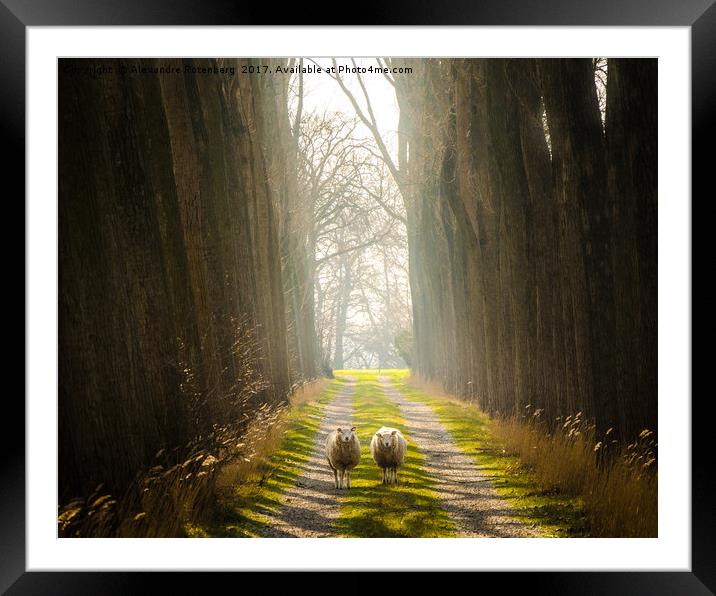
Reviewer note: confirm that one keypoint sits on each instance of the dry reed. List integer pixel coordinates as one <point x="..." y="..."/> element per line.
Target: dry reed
<point x="617" y="483"/>
<point x="186" y="484"/>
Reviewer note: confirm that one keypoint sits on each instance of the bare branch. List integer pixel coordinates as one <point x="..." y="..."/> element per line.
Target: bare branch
<point x="365" y="244"/>
<point x="370" y="124"/>
<point x="384" y="65"/>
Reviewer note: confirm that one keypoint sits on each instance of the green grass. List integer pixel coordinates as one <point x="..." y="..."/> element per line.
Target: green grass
<point x="554" y="514"/>
<point x="262" y="493"/>
<point x="409" y="509"/>
<point x="370" y="509"/>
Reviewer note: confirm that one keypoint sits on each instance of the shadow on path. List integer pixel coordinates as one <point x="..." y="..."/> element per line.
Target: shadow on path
<point x="464" y="492"/>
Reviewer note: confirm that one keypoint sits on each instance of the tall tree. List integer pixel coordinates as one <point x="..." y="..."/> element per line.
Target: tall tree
<point x="169" y="263"/>
<point x="529" y="222"/>
<point x="281" y="134"/>
<point x="631" y="135"/>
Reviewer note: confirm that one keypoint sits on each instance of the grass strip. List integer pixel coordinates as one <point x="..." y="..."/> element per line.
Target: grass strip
<point x="260" y="494"/>
<point x="409" y="509"/>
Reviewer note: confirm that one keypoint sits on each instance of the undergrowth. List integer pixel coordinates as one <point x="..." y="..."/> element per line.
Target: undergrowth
<point x="553" y="478"/>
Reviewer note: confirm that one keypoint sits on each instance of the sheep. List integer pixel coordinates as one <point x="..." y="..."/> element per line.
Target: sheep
<point x="388" y="447"/>
<point x="343" y="454"/>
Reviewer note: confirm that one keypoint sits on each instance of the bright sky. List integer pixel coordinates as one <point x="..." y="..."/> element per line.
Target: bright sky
<point x="321" y="92"/>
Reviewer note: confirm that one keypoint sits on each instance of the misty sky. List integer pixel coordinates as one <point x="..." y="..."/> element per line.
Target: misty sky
<point x="321" y="93"/>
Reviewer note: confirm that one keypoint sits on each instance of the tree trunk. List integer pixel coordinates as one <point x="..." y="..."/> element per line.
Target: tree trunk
<point x="344" y="301"/>
<point x="169" y="264"/>
<point x="631" y="128"/>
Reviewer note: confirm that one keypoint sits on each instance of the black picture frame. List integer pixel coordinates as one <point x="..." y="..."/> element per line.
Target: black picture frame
<point x="17" y="15"/>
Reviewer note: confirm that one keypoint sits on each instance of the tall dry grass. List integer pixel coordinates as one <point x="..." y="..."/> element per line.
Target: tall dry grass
<point x="618" y="489"/>
<point x="616" y="482"/>
<point x="187" y="484"/>
<point x="263" y="440"/>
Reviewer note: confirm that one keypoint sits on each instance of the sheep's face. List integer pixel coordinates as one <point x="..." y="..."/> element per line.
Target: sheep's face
<point x="345" y="436"/>
<point x="385" y="440"/>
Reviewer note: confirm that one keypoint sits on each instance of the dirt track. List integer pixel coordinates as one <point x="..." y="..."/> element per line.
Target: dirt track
<point x="464" y="492"/>
<point x="312" y="505"/>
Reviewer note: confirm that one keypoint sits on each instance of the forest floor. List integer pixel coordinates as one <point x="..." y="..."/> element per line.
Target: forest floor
<point x="456" y="481"/>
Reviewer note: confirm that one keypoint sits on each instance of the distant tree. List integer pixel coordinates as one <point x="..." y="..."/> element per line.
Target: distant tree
<point x="404" y="345"/>
<point x="356" y="216"/>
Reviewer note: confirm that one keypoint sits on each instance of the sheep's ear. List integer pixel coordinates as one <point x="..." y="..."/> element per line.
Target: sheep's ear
<point x="393" y="433"/>
<point x="353" y="429"/>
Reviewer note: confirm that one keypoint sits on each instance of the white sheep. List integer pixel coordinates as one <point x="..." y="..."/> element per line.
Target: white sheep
<point x="388" y="447"/>
<point x="343" y="454"/>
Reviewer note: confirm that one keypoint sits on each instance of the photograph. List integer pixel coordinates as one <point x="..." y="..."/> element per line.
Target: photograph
<point x="358" y="297"/>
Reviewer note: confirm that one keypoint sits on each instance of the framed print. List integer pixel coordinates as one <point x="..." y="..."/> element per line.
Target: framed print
<point x="295" y="291"/>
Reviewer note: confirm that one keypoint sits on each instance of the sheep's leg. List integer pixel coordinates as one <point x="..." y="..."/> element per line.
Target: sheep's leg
<point x="395" y="475"/>
<point x="384" y="476"/>
<point x="348" y="478"/>
<point x="335" y="477"/>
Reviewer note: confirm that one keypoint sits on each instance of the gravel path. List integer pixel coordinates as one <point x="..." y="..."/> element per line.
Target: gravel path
<point x="311" y="507"/>
<point x="465" y="493"/>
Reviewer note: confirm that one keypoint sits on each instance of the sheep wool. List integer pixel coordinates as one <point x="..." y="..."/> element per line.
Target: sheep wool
<point x="388" y="447"/>
<point x="343" y="454"/>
